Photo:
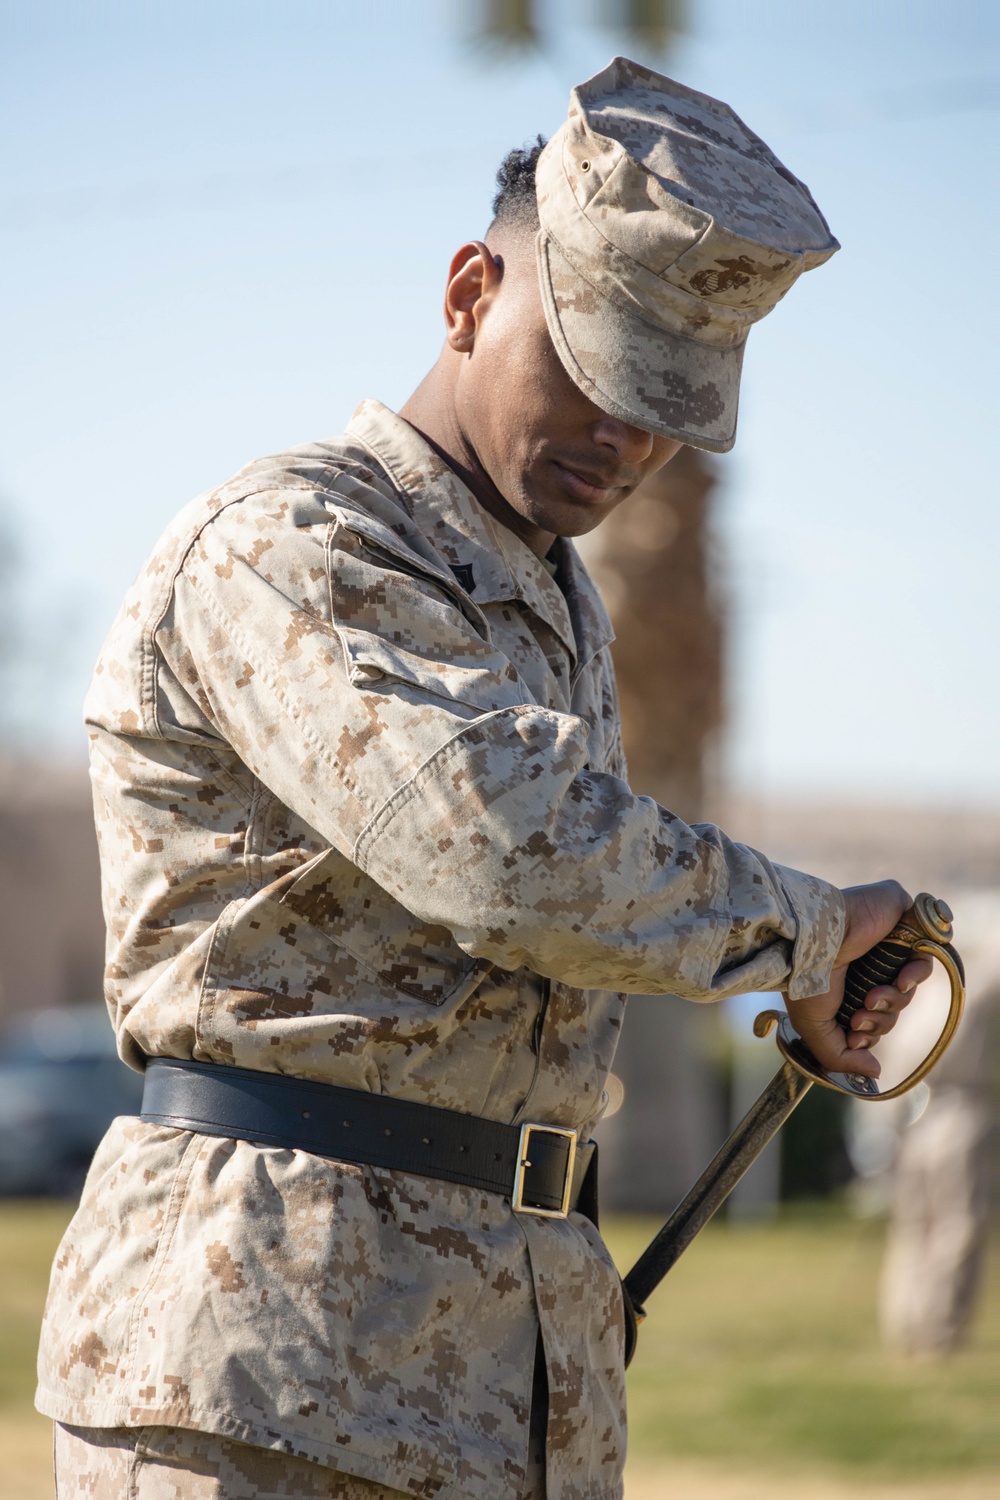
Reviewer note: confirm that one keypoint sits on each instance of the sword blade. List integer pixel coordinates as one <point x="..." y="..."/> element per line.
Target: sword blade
<point x="762" y="1121"/>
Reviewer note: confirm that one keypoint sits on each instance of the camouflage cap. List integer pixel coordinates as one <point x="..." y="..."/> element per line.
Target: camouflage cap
<point x="667" y="229"/>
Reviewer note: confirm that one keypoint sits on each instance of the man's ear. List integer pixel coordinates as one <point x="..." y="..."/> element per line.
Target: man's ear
<point x="473" y="278"/>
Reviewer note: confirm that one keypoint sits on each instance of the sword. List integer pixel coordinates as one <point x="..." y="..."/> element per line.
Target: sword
<point x="925" y="929"/>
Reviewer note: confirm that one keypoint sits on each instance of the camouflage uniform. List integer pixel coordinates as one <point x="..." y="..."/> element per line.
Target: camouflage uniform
<point x="359" y="790"/>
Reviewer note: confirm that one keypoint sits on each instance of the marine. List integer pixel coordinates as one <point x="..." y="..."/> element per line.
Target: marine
<point x="377" y="888"/>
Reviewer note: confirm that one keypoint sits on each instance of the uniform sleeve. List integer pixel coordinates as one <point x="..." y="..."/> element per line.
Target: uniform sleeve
<point x="360" y="694"/>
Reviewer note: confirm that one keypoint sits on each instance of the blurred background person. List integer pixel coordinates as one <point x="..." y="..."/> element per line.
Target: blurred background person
<point x="942" y="1167"/>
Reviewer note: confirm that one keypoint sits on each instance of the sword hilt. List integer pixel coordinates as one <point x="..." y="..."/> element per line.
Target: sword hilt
<point x="923" y="930"/>
<point x="927" y="919"/>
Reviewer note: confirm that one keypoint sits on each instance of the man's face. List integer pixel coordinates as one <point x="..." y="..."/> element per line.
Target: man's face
<point x="555" y="459"/>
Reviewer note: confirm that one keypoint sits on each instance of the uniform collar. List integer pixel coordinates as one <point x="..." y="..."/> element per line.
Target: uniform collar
<point x="491" y="564"/>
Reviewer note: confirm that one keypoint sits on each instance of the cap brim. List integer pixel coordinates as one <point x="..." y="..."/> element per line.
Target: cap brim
<point x="642" y="374"/>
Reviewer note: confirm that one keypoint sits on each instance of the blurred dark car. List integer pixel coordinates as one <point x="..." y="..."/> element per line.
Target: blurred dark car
<point x="61" y="1085"/>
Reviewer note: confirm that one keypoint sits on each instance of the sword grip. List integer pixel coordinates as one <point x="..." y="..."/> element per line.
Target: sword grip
<point x="926" y="919"/>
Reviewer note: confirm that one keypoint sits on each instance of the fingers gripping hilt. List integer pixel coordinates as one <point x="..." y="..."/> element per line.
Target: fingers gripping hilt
<point x="928" y="921"/>
<point x="924" y="930"/>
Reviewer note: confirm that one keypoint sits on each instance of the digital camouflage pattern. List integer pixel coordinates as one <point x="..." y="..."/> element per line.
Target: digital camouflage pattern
<point x="362" y="815"/>
<point x="177" y="1463"/>
<point x="667" y="229"/>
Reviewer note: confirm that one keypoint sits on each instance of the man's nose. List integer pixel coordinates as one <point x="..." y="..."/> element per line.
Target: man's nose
<point x="632" y="445"/>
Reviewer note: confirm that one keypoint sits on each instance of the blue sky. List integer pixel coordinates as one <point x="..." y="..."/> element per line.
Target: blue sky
<point x="223" y="223"/>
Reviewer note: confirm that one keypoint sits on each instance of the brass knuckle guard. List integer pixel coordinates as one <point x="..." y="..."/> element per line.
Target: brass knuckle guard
<point x="926" y="930"/>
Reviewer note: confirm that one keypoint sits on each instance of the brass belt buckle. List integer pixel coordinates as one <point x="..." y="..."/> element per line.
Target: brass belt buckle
<point x="517" y="1202"/>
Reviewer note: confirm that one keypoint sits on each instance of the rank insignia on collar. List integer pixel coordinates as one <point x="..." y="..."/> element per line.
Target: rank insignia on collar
<point x="463" y="572"/>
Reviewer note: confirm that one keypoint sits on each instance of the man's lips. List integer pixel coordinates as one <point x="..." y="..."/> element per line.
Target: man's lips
<point x="585" y="484"/>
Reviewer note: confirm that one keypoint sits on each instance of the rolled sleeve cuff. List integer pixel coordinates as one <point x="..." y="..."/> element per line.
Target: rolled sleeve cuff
<point x="820" y="920"/>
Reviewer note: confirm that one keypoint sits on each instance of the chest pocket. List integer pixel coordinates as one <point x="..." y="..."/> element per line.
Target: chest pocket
<point x="388" y="943"/>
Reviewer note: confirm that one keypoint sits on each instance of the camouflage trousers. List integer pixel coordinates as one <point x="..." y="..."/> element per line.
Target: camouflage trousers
<point x="176" y="1463"/>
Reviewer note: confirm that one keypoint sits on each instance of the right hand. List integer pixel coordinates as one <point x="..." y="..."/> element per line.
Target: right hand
<point x="872" y="913"/>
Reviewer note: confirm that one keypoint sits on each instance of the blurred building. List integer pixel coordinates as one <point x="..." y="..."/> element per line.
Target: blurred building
<point x="947" y="850"/>
<point x="51" y="927"/>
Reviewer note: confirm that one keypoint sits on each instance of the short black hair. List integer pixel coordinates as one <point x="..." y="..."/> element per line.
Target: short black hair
<point x="514" y="204"/>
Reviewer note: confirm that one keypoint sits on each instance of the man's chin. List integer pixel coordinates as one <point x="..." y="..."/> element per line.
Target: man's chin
<point x="569" y="518"/>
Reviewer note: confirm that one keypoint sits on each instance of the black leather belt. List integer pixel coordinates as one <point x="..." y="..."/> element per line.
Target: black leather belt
<point x="540" y="1168"/>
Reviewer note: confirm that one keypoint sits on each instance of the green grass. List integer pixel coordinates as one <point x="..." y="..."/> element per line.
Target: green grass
<point x="761" y="1350"/>
<point x="760" y="1355"/>
<point x="29" y="1233"/>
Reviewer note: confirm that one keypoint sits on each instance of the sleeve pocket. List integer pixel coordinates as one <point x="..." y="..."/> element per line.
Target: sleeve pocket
<point x="377" y="664"/>
<point x="398" y="951"/>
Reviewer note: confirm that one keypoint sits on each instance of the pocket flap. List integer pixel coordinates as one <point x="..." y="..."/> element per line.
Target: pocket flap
<point x="372" y="661"/>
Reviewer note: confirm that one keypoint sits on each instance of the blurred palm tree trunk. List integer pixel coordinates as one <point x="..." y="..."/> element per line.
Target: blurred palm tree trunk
<point x="652" y="562"/>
